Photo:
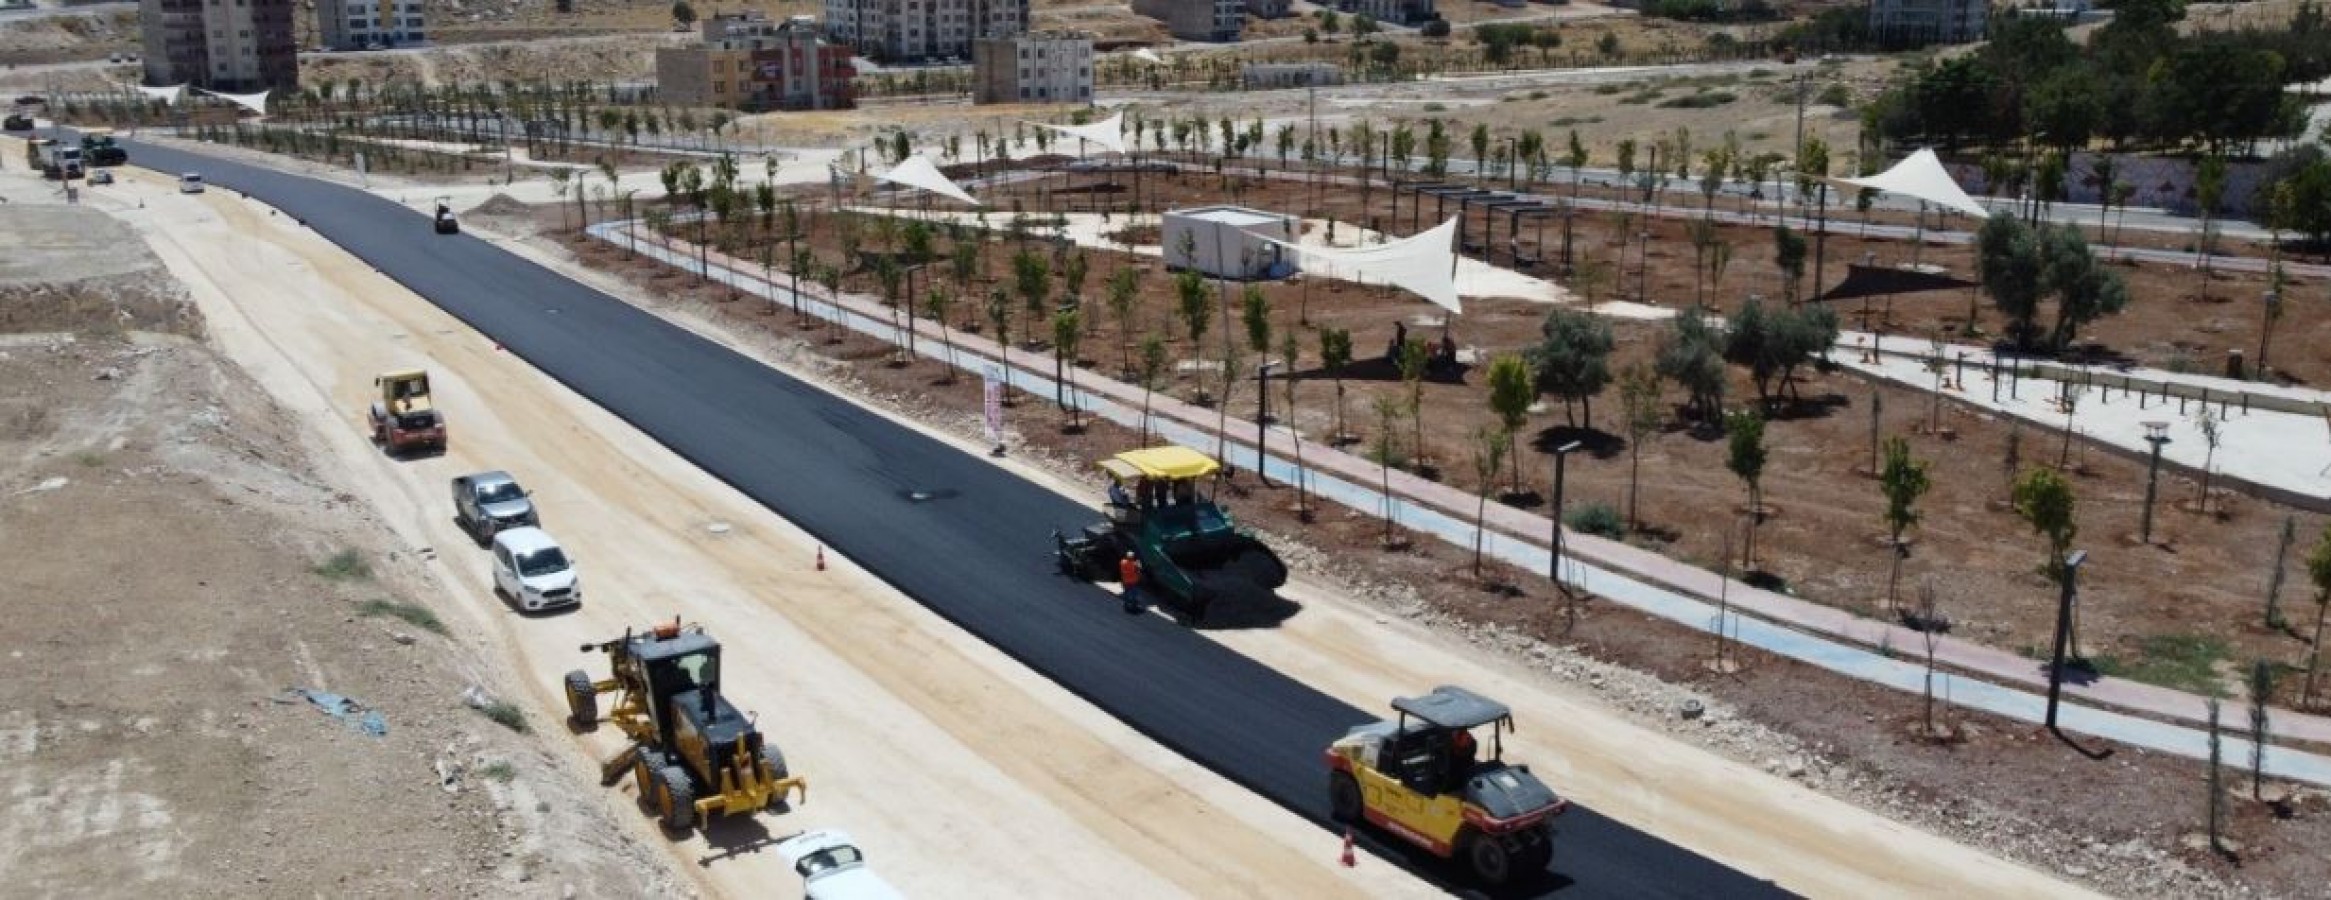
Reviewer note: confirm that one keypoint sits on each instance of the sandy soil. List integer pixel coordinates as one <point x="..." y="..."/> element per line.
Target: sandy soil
<point x="893" y="715"/>
<point x="149" y="744"/>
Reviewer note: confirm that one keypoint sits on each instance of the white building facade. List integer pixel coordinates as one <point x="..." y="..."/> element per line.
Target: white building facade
<point x="905" y="31"/>
<point x="1040" y="67"/>
<point x="369" y="24"/>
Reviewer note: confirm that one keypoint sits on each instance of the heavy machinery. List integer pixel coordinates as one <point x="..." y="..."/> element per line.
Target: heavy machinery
<point x="1190" y="549"/>
<point x="404" y="419"/>
<point x="692" y="754"/>
<point x="445" y="223"/>
<point x="1420" y="777"/>
<point x="98" y="148"/>
<point x="54" y="160"/>
<point x="17" y="121"/>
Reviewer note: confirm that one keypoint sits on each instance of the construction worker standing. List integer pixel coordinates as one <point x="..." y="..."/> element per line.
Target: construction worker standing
<point x="1129" y="575"/>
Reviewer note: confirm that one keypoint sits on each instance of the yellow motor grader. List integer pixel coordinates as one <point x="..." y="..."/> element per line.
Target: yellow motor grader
<point x="692" y="754"/>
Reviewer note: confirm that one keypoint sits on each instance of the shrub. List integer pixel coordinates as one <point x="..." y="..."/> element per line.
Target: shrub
<point x="507" y="715"/>
<point x="1598" y="519"/>
<point x="411" y="614"/>
<point x="1707" y="100"/>
<point x="346" y="565"/>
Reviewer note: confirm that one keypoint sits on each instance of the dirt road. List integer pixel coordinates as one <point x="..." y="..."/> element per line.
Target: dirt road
<point x="945" y="760"/>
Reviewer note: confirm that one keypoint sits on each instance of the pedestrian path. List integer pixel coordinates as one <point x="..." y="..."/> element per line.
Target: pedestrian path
<point x="1831" y="639"/>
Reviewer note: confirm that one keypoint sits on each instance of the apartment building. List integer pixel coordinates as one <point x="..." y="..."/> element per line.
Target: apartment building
<point x="908" y="31"/>
<point x="1928" y="21"/>
<point x="1398" y="12"/>
<point x="750" y="63"/>
<point x="369" y="24"/>
<point x="1218" y="21"/>
<point x="236" y="46"/>
<point x="1040" y="67"/>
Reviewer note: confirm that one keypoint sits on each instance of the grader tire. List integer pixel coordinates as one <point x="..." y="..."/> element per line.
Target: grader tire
<point x="676" y="798"/>
<point x="582" y="701"/>
<point x="1343" y="799"/>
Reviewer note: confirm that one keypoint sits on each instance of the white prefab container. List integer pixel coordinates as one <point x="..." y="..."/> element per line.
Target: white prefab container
<point x="1228" y="241"/>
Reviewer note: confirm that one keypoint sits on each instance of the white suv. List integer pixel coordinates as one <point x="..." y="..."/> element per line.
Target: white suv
<point x="531" y="570"/>
<point x="831" y="868"/>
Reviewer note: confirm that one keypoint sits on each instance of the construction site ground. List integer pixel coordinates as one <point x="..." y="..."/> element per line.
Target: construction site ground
<point x="2032" y="795"/>
<point x="172" y="567"/>
<point x="909" y="686"/>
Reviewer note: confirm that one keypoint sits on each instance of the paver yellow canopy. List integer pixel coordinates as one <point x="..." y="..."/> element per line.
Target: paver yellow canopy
<point x="1189" y="548"/>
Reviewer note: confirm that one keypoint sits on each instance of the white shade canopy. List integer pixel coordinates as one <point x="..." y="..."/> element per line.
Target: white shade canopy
<point x="1148" y="56"/>
<point x="1423" y="264"/>
<point x="1921" y="175"/>
<point x="254" y="102"/>
<point x="168" y="95"/>
<point x="1109" y="133"/>
<point x="918" y="172"/>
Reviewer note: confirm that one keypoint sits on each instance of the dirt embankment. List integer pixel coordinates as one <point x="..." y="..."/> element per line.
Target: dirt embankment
<point x="174" y="568"/>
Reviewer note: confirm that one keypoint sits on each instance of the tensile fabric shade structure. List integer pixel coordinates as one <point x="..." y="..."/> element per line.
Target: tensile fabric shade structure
<point x="1424" y="264"/>
<point x="254" y="102"/>
<point x="918" y="172"/>
<point x="168" y="95"/>
<point x="1921" y="175"/>
<point x="1108" y="134"/>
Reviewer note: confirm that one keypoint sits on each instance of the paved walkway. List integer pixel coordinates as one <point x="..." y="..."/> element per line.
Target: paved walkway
<point x="1830" y="638"/>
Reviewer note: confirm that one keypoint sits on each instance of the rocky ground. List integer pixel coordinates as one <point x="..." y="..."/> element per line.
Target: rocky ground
<point x="173" y="570"/>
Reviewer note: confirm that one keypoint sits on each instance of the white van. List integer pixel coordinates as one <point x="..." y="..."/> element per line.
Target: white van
<point x="190" y="183"/>
<point x="531" y="570"/>
<point x="831" y="868"/>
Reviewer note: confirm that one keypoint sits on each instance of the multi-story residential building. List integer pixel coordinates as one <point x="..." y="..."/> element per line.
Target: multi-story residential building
<point x="1197" y="20"/>
<point x="1269" y="9"/>
<point x="902" y="31"/>
<point x="1928" y="21"/>
<point x="1398" y="12"/>
<point x="369" y="24"/>
<point x="237" y="46"/>
<point x="1041" y="67"/>
<point x="749" y="62"/>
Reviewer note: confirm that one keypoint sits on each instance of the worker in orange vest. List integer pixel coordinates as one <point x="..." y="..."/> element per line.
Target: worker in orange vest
<point x="1129" y="575"/>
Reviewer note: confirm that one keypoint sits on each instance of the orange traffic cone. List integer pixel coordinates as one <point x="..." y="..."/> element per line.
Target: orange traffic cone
<point x="821" y="557"/>
<point x="1349" y="860"/>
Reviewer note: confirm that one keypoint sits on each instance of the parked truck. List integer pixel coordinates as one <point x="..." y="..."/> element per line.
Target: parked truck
<point x="54" y="160"/>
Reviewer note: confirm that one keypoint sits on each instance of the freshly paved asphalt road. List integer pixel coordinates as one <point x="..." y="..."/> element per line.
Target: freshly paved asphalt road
<point x="981" y="555"/>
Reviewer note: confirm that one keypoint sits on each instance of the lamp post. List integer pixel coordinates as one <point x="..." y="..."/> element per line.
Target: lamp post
<point x="2157" y="434"/>
<point x="1262" y="416"/>
<point x="1554" y="554"/>
<point x="2064" y="600"/>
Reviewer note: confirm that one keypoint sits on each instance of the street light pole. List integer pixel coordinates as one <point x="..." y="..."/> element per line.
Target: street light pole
<point x="1554" y="552"/>
<point x="2157" y="434"/>
<point x="2063" y="635"/>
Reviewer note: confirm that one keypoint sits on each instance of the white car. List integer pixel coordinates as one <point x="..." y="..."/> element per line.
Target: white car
<point x="831" y="868"/>
<point x="101" y="176"/>
<point x="190" y="183"/>
<point x="531" y="570"/>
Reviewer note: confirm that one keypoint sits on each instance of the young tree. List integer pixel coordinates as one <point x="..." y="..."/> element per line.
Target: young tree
<point x="1032" y="277"/>
<point x="1389" y="409"/>
<point x="1124" y="288"/>
<point x="2209" y="190"/>
<point x="1412" y="359"/>
<point x="1255" y="313"/>
<point x="1929" y="632"/>
<point x="2011" y="459"/>
<point x="1745" y="457"/>
<point x="2085" y="290"/>
<point x="2007" y="260"/>
<point x="2044" y="500"/>
<point x="1572" y="359"/>
<point x="1489" y="448"/>
<point x="2319" y="574"/>
<point x="999" y="314"/>
<point x="1512" y="388"/>
<point x="1903" y="481"/>
<point x="2261" y="690"/>
<point x="1640" y="401"/>
<point x="1153" y="367"/>
<point x="1691" y="357"/>
<point x="1291" y="354"/>
<point x="2213" y="429"/>
<point x="2274" y="576"/>
<point x="1067" y="330"/>
<point x="1789" y="254"/>
<point x="1335" y="352"/>
<point x="937" y="303"/>
<point x="1194" y="303"/>
<point x="1073" y="270"/>
<point x="2216" y="781"/>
